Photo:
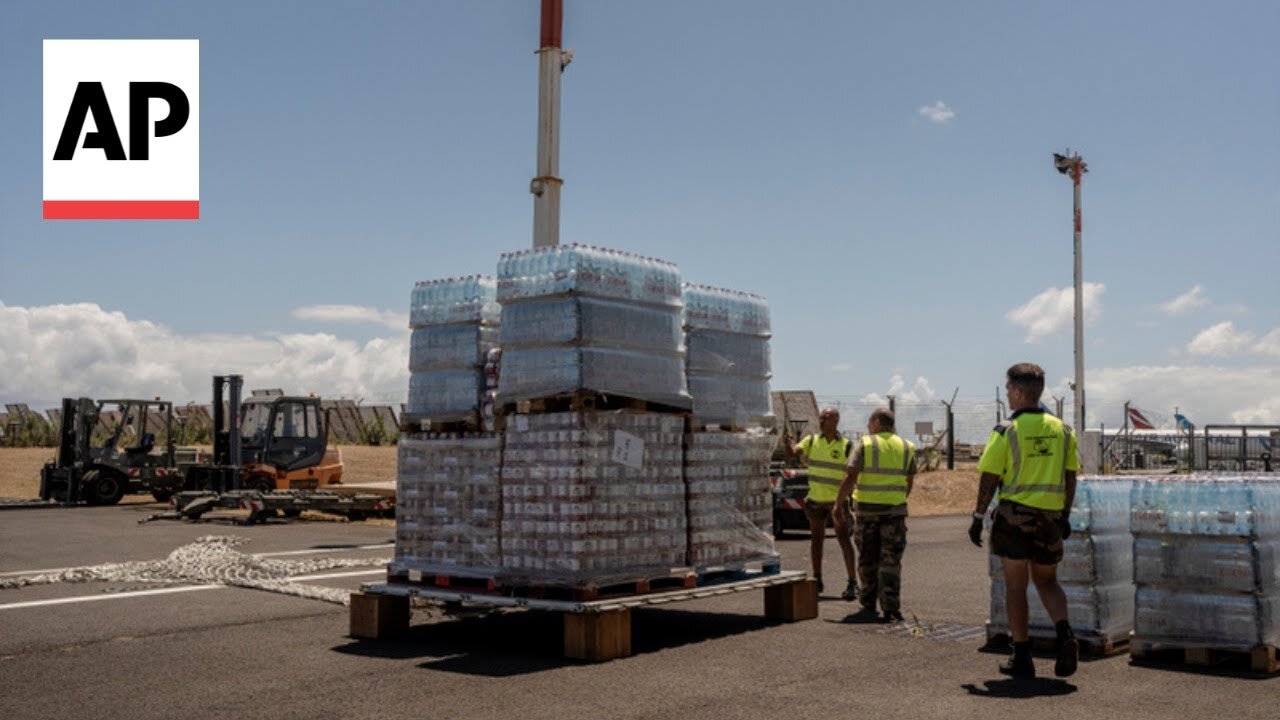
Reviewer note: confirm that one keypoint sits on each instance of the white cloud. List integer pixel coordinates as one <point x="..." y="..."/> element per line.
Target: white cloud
<point x="53" y="351"/>
<point x="841" y="367"/>
<point x="1192" y="298"/>
<point x="1053" y="310"/>
<point x="1269" y="345"/>
<point x="919" y="392"/>
<point x="352" y="314"/>
<point x="937" y="112"/>
<point x="1220" y="339"/>
<point x="1204" y="394"/>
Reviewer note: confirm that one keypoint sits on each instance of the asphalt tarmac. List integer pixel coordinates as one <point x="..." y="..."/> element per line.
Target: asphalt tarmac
<point x="126" y="650"/>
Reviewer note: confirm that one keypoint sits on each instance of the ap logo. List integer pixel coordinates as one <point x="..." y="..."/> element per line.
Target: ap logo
<point x="121" y="129"/>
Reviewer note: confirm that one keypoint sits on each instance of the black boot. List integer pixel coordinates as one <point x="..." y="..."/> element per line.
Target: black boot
<point x="1019" y="665"/>
<point x="865" y="614"/>
<point x="1068" y="650"/>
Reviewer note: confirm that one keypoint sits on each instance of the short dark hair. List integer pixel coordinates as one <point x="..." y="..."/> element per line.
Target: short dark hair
<point x="883" y="416"/>
<point x="1029" y="378"/>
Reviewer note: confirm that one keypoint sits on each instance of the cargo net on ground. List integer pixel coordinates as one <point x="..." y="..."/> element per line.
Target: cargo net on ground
<point x="592" y="499"/>
<point x="455" y="326"/>
<point x="1205" y="560"/>
<point x="728" y="364"/>
<point x="730" y="502"/>
<point x="448" y="505"/>
<point x="1096" y="572"/>
<point x="578" y="318"/>
<point x="210" y="560"/>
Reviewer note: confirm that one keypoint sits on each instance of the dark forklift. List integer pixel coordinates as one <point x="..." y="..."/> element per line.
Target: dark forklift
<point x="99" y="467"/>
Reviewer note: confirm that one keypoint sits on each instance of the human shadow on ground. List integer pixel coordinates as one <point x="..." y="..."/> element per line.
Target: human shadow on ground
<point x="510" y="643"/>
<point x="1019" y="689"/>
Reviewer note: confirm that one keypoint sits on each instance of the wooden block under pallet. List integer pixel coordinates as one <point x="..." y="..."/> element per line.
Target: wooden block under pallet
<point x="597" y="636"/>
<point x="378" y="617"/>
<point x="1261" y="659"/>
<point x="792" y="601"/>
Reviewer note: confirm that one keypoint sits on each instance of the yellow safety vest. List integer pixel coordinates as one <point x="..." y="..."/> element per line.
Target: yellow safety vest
<point x="1038" y="449"/>
<point x="886" y="460"/>
<point x="827" y="460"/>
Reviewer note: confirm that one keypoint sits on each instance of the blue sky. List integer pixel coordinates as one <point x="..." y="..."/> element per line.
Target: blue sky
<point x="880" y="171"/>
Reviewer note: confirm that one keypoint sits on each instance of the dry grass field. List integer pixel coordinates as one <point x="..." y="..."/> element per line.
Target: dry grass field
<point x="937" y="493"/>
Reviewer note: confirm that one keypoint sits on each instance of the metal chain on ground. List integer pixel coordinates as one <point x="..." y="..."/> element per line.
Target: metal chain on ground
<point x="210" y="560"/>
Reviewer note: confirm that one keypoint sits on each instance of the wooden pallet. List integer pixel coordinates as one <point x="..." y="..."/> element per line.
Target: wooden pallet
<point x="586" y="401"/>
<point x="594" y="631"/>
<point x="553" y="590"/>
<point x="1261" y="660"/>
<point x="1091" y="646"/>
<point x="733" y="572"/>
<point x="594" y="591"/>
<point x="411" y="423"/>
<point x="464" y="583"/>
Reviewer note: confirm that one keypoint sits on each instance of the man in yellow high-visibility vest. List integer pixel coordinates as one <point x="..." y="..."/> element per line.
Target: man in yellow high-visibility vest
<point x="881" y="472"/>
<point x="827" y="453"/>
<point x="1032" y="460"/>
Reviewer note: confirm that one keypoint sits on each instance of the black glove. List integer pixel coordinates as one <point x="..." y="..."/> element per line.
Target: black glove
<point x="1066" y="527"/>
<point x="975" y="531"/>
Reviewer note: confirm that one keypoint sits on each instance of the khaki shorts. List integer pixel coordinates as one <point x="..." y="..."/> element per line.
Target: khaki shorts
<point x="820" y="512"/>
<point x="1026" y="533"/>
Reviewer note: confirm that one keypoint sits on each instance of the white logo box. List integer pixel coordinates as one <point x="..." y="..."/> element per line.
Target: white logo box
<point x="89" y="186"/>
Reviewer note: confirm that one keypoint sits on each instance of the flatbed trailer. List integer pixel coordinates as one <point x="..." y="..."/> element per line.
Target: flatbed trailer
<point x="595" y="630"/>
<point x="262" y="506"/>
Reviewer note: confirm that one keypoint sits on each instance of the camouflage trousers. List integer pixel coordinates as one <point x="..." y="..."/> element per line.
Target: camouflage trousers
<point x="880" y="540"/>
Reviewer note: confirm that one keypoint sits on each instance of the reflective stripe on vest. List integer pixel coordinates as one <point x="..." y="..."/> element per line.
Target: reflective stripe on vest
<point x="826" y="472"/>
<point x="1037" y="488"/>
<point x="886" y="462"/>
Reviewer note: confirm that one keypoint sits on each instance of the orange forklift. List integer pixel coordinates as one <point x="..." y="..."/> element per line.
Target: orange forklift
<point x="267" y="443"/>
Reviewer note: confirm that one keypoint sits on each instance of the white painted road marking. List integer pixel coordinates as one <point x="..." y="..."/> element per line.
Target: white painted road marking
<point x="163" y="591"/>
<point x="282" y="553"/>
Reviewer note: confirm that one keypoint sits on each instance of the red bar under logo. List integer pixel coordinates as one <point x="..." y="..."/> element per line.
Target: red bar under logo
<point x="121" y="209"/>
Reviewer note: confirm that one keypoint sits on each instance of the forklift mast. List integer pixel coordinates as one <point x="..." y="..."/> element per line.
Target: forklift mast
<point x="226" y="420"/>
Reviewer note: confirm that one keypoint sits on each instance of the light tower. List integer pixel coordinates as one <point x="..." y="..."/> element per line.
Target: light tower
<point x="552" y="60"/>
<point x="1074" y="166"/>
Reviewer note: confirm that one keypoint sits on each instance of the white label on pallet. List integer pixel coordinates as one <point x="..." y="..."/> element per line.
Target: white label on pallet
<point x="522" y="423"/>
<point x="628" y="449"/>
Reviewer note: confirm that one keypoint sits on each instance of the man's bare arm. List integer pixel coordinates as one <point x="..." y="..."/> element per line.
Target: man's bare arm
<point x="987" y="487"/>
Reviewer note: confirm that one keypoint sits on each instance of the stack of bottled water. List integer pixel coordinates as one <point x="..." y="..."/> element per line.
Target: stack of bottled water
<point x="583" y="318"/>
<point x="454" y="325"/>
<point x="592" y="498"/>
<point x="1096" y="571"/>
<point x="729" y="498"/>
<point x="448" y="504"/>
<point x="1205" y="560"/>
<point x="728" y="363"/>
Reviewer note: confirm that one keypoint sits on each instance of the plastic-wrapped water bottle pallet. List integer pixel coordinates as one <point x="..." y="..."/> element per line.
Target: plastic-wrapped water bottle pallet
<point x="1091" y="646"/>
<point x="1260" y="660"/>
<point x="588" y="401"/>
